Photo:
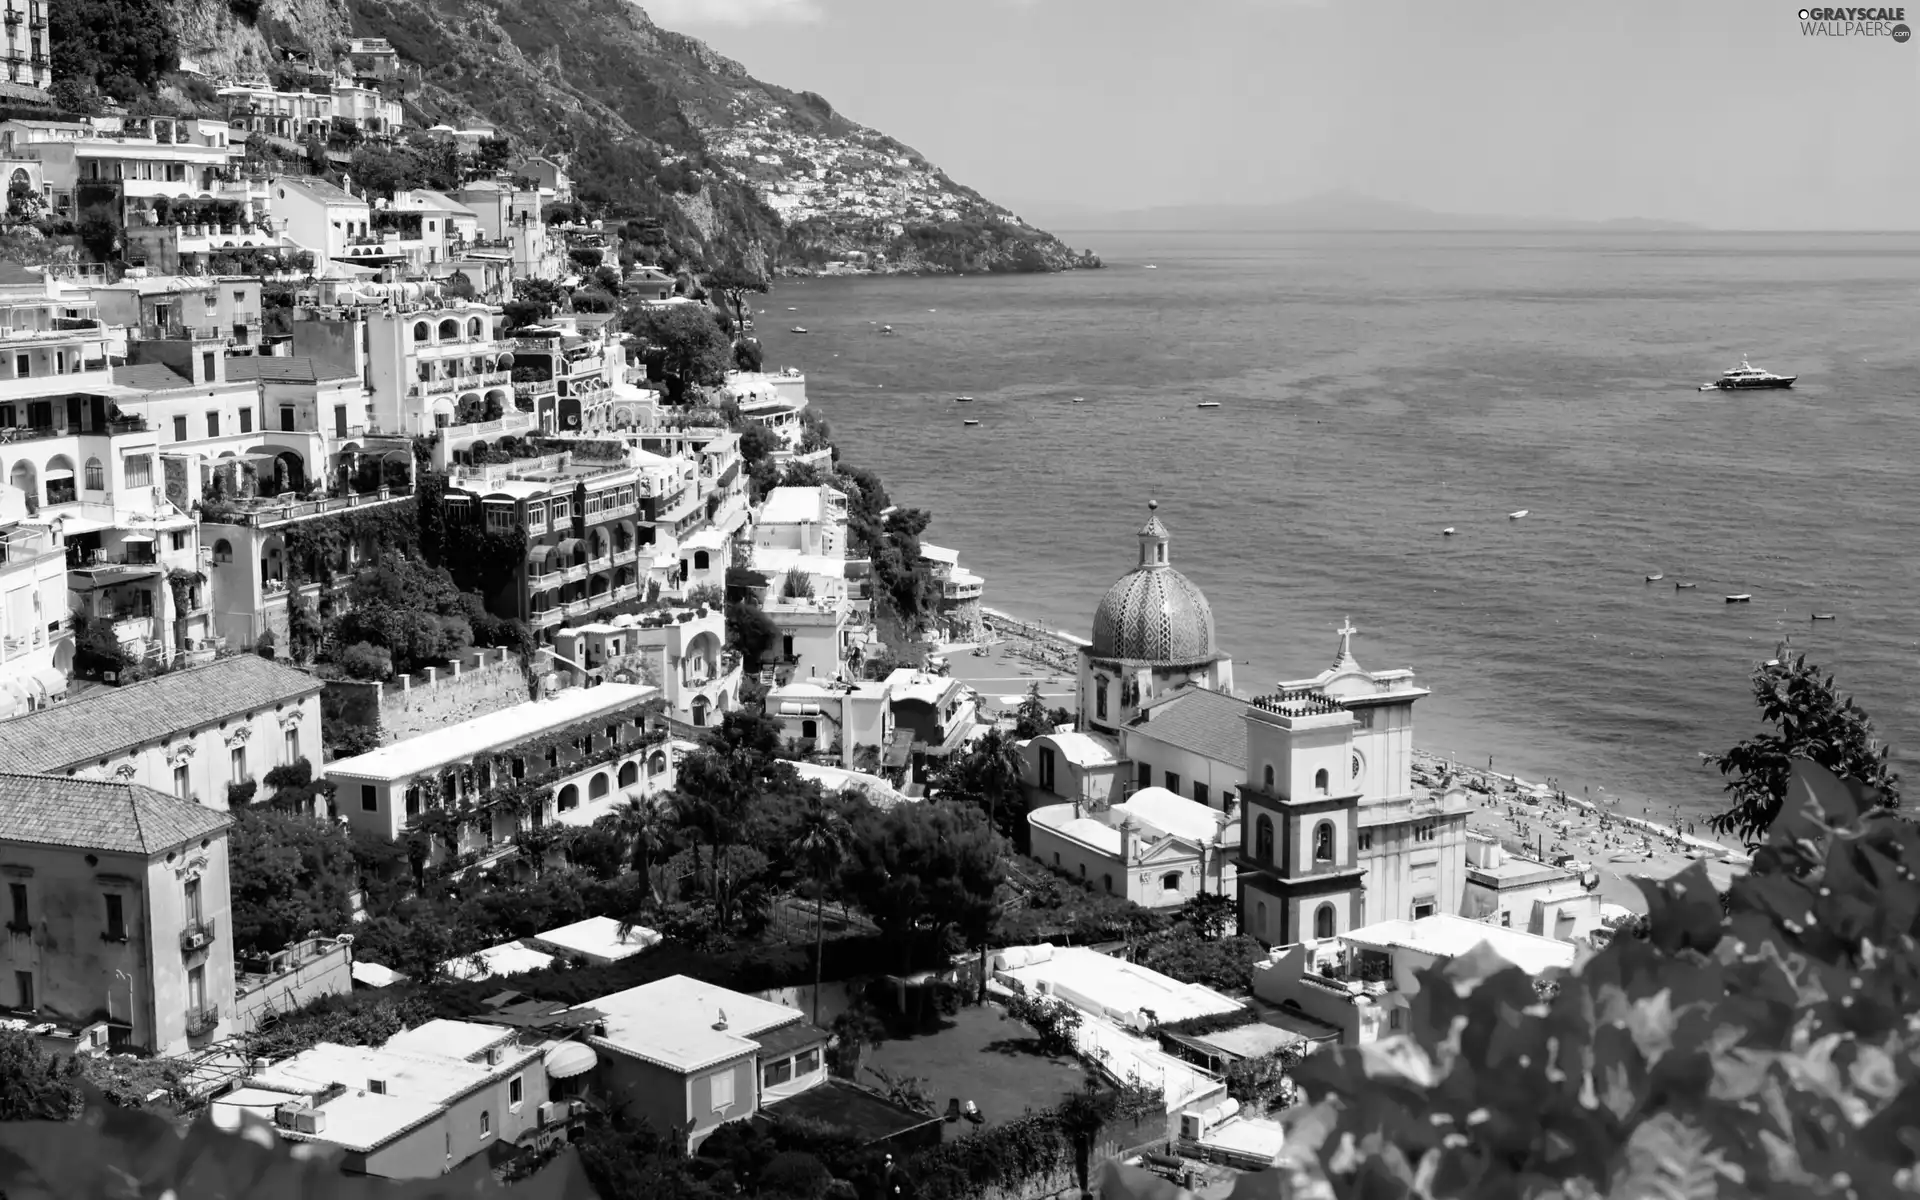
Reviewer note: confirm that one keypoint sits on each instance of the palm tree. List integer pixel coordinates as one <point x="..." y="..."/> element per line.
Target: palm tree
<point x="996" y="767"/>
<point x="644" y="826"/>
<point x="820" y="844"/>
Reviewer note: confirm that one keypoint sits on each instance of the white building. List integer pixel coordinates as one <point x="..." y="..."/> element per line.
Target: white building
<point x="36" y="635"/>
<point x="1514" y="891"/>
<point x="1155" y="849"/>
<point x="332" y="223"/>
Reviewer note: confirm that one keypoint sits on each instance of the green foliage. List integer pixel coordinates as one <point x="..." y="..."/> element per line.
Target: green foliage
<point x="363" y="660"/>
<point x="926" y="873"/>
<point x="1759" y="1044"/>
<point x="34" y="1087"/>
<point x="747" y="356"/>
<point x="1209" y="914"/>
<point x="1054" y="1022"/>
<point x="1811" y="721"/>
<point x="344" y="1020"/>
<point x="1225" y="965"/>
<point x="684" y="343"/>
<point x="291" y="875"/>
<point x="1047" y="906"/>
<point x="123" y="46"/>
<point x="988" y="776"/>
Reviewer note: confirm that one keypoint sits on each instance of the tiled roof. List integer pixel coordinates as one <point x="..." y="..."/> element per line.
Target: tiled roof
<point x="1208" y="723"/>
<point x="111" y="720"/>
<point x="150" y="377"/>
<point x="318" y="188"/>
<point x="92" y="814"/>
<point x="272" y="368"/>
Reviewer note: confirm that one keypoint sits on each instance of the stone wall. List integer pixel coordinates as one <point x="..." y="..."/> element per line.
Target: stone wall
<point x="481" y="682"/>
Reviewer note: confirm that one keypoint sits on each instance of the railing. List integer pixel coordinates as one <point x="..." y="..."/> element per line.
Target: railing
<point x="154" y="333"/>
<point x="962" y="591"/>
<point x="578" y="608"/>
<point x="538" y="387"/>
<point x="292" y="511"/>
<point x="574" y="574"/>
<point x="196" y="936"/>
<point x="202" y="1020"/>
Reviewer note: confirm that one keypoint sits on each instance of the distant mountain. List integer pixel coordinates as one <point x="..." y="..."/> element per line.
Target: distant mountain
<point x="1331" y="211"/>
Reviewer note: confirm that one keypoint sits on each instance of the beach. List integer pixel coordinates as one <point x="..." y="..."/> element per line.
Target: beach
<point x="1619" y="839"/>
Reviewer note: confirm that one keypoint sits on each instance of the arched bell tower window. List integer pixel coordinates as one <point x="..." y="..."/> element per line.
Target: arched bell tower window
<point x="1323" y="921"/>
<point x="1100" y="697"/>
<point x="1263" y="839"/>
<point x="1269" y="777"/>
<point x="1320" y="781"/>
<point x="1323" y="842"/>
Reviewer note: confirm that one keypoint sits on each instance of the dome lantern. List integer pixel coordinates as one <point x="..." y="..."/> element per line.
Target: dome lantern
<point x="1153" y="539"/>
<point x="1153" y="614"/>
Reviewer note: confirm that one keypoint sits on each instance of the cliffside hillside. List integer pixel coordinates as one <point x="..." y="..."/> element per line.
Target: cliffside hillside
<point x="655" y="125"/>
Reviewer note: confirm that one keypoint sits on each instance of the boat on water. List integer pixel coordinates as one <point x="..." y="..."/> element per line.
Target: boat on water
<point x="1746" y="377"/>
<point x="1515" y="516"/>
<point x="1079" y="399"/>
<point x="1447" y="532"/>
<point x="886" y="329"/>
<point x="969" y="422"/>
<point x="1823" y="616"/>
<point x="1656" y="577"/>
<point x="1151" y="267"/>
<point x="1208" y="404"/>
<point x="963" y="399"/>
<point x="798" y="329"/>
<point x="1681" y="587"/>
<point x="1740" y="598"/>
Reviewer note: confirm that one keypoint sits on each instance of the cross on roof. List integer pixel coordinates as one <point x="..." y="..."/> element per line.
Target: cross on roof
<point x="1346" y="632"/>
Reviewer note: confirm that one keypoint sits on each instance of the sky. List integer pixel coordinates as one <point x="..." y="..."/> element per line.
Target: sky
<point x="1719" y="112"/>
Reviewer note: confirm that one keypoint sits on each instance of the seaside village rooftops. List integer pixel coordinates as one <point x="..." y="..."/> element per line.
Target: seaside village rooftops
<point x="470" y="1041"/>
<point x="508" y="958"/>
<point x="597" y="939"/>
<point x="106" y="721"/>
<point x="1447" y="936"/>
<point x="1099" y="983"/>
<point x="688" y="1025"/>
<point x="1154" y="813"/>
<point x="454" y="743"/>
<point x="803" y="506"/>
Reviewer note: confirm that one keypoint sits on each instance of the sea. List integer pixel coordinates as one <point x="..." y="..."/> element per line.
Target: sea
<point x="1375" y="389"/>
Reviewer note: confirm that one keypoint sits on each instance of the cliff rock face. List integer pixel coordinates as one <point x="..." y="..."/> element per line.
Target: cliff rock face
<point x="655" y="125"/>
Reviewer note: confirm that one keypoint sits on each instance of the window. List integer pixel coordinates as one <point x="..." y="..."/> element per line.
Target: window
<point x="213" y="424"/>
<point x="246" y="420"/>
<point x="182" y="787"/>
<point x="1320" y="781"/>
<point x="1173" y="783"/>
<point x="223" y="551"/>
<point x="22" y="366"/>
<point x="116" y="918"/>
<point x="1269" y="777"/>
<point x="1170" y="882"/>
<point x="197" y="988"/>
<point x="486" y="1123"/>
<point x="806" y="1062"/>
<point x="180" y="429"/>
<point x="206" y="366"/>
<point x="1323" y="921"/>
<point x="193" y="900"/>
<point x="516" y="1091"/>
<point x="420" y="331"/>
<point x="701" y="561"/>
<point x="1107" y="881"/>
<point x="1260" y="918"/>
<point x="369" y="799"/>
<point x="1422" y="908"/>
<point x="1046" y="768"/>
<point x="377" y="1086"/>
<point x="720" y="1084"/>
<point x="1263" y="839"/>
<point x="177" y="540"/>
<point x="22" y="914"/>
<point x="140" y="466"/>
<point x="1323" y="842"/>
<point x="1366" y="841"/>
<point x="1100" y="697"/>
<point x="1357" y="766"/>
<point x="1199" y="793"/>
<point x="1425" y="833"/>
<point x="23" y="986"/>
<point x="1506" y="919"/>
<point x="239" y="764"/>
<point x="774" y="1074"/>
<point x="96" y="476"/>
<point x="809" y="729"/>
<point x="286" y="418"/>
<point x="292" y="747"/>
<point x="1143" y="775"/>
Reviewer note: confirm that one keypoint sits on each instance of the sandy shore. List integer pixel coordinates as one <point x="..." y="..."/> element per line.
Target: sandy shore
<point x="1527" y="818"/>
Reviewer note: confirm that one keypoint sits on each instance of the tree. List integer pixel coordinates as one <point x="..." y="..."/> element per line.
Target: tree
<point x="378" y="170"/>
<point x="821" y="844"/>
<point x="747" y="356"/>
<point x="32" y="1086"/>
<point x="1811" y="721"/>
<point x="1030" y="719"/>
<point x="291" y="876"/>
<point x="687" y="343"/>
<point x="926" y="873"/>
<point x="1209" y="914"/>
<point x="988" y="775"/>
<point x="123" y="45"/>
<point x="734" y="282"/>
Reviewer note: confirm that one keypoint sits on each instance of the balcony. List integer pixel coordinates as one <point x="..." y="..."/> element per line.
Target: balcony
<point x="203" y="1020"/>
<point x="196" y="936"/>
<point x="548" y="619"/>
<point x="580" y="608"/>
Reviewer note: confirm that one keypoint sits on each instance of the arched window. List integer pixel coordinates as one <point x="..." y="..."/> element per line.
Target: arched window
<point x="629" y="774"/>
<point x="700" y="560"/>
<point x="1323" y="920"/>
<point x="1100" y="697"/>
<point x="96" y="476"/>
<point x="420" y="331"/>
<point x="809" y="729"/>
<point x="700" y="711"/>
<point x="476" y="329"/>
<point x="1170" y="882"/>
<point x="1269" y="777"/>
<point x="1263" y="839"/>
<point x="657" y="762"/>
<point x="569" y="797"/>
<point x="1320" y="781"/>
<point x="223" y="551"/>
<point x="1358" y="766"/>
<point x="1323" y="842"/>
<point x="600" y="786"/>
<point x="449" y="330"/>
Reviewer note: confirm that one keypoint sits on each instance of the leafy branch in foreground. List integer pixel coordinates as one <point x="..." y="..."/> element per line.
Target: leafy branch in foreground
<point x="1760" y="1048"/>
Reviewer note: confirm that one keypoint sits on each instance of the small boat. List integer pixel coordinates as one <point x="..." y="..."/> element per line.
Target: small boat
<point x="1746" y="377"/>
<point x="1515" y="516"/>
<point x="1447" y="532"/>
<point x="1740" y="598"/>
<point x="1823" y="616"/>
<point x="1656" y="577"/>
<point x="1208" y="404"/>
<point x="886" y="329"/>
<point x="798" y="329"/>
<point x="1151" y="267"/>
<point x="1079" y="399"/>
<point x="969" y="422"/>
<point x="963" y="399"/>
<point x="1681" y="587"/>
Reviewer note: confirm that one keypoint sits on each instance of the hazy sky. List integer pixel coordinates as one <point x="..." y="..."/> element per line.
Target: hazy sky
<point x="1716" y="111"/>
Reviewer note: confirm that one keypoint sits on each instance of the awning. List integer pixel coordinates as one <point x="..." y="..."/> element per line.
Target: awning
<point x="49" y="681"/>
<point x="59" y="472"/>
<point x="13" y="699"/>
<point x="138" y="537"/>
<point x="539" y="554"/>
<point x="505" y="360"/>
<point x="569" y="1059"/>
<point x="565" y="548"/>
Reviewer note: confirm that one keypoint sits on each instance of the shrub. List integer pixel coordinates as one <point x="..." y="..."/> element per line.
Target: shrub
<point x="363" y="660"/>
<point x="1054" y="1022"/>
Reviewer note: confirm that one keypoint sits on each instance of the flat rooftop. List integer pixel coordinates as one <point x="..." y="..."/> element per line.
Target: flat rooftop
<point x="508" y="958"/>
<point x="465" y="1040"/>
<point x="494" y="731"/>
<point x="673" y="1022"/>
<point x="1448" y="936"/>
<point x="1120" y="990"/>
<point x="599" y="937"/>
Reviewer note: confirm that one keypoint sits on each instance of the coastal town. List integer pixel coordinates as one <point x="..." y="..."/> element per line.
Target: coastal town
<point x="461" y="710"/>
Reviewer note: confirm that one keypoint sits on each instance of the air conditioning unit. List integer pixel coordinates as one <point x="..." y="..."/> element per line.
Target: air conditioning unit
<point x="287" y="1115"/>
<point x="1043" y="986"/>
<point x="546" y="1114"/>
<point x="310" y="1120"/>
<point x="1192" y="1126"/>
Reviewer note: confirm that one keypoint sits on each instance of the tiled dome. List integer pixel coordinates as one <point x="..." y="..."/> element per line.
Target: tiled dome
<point x="1154" y="613"/>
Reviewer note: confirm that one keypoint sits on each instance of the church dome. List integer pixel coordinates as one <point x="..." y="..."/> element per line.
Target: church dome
<point x="1153" y="613"/>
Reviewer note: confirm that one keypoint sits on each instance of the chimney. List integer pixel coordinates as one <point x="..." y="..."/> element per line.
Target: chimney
<point x="1126" y="841"/>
